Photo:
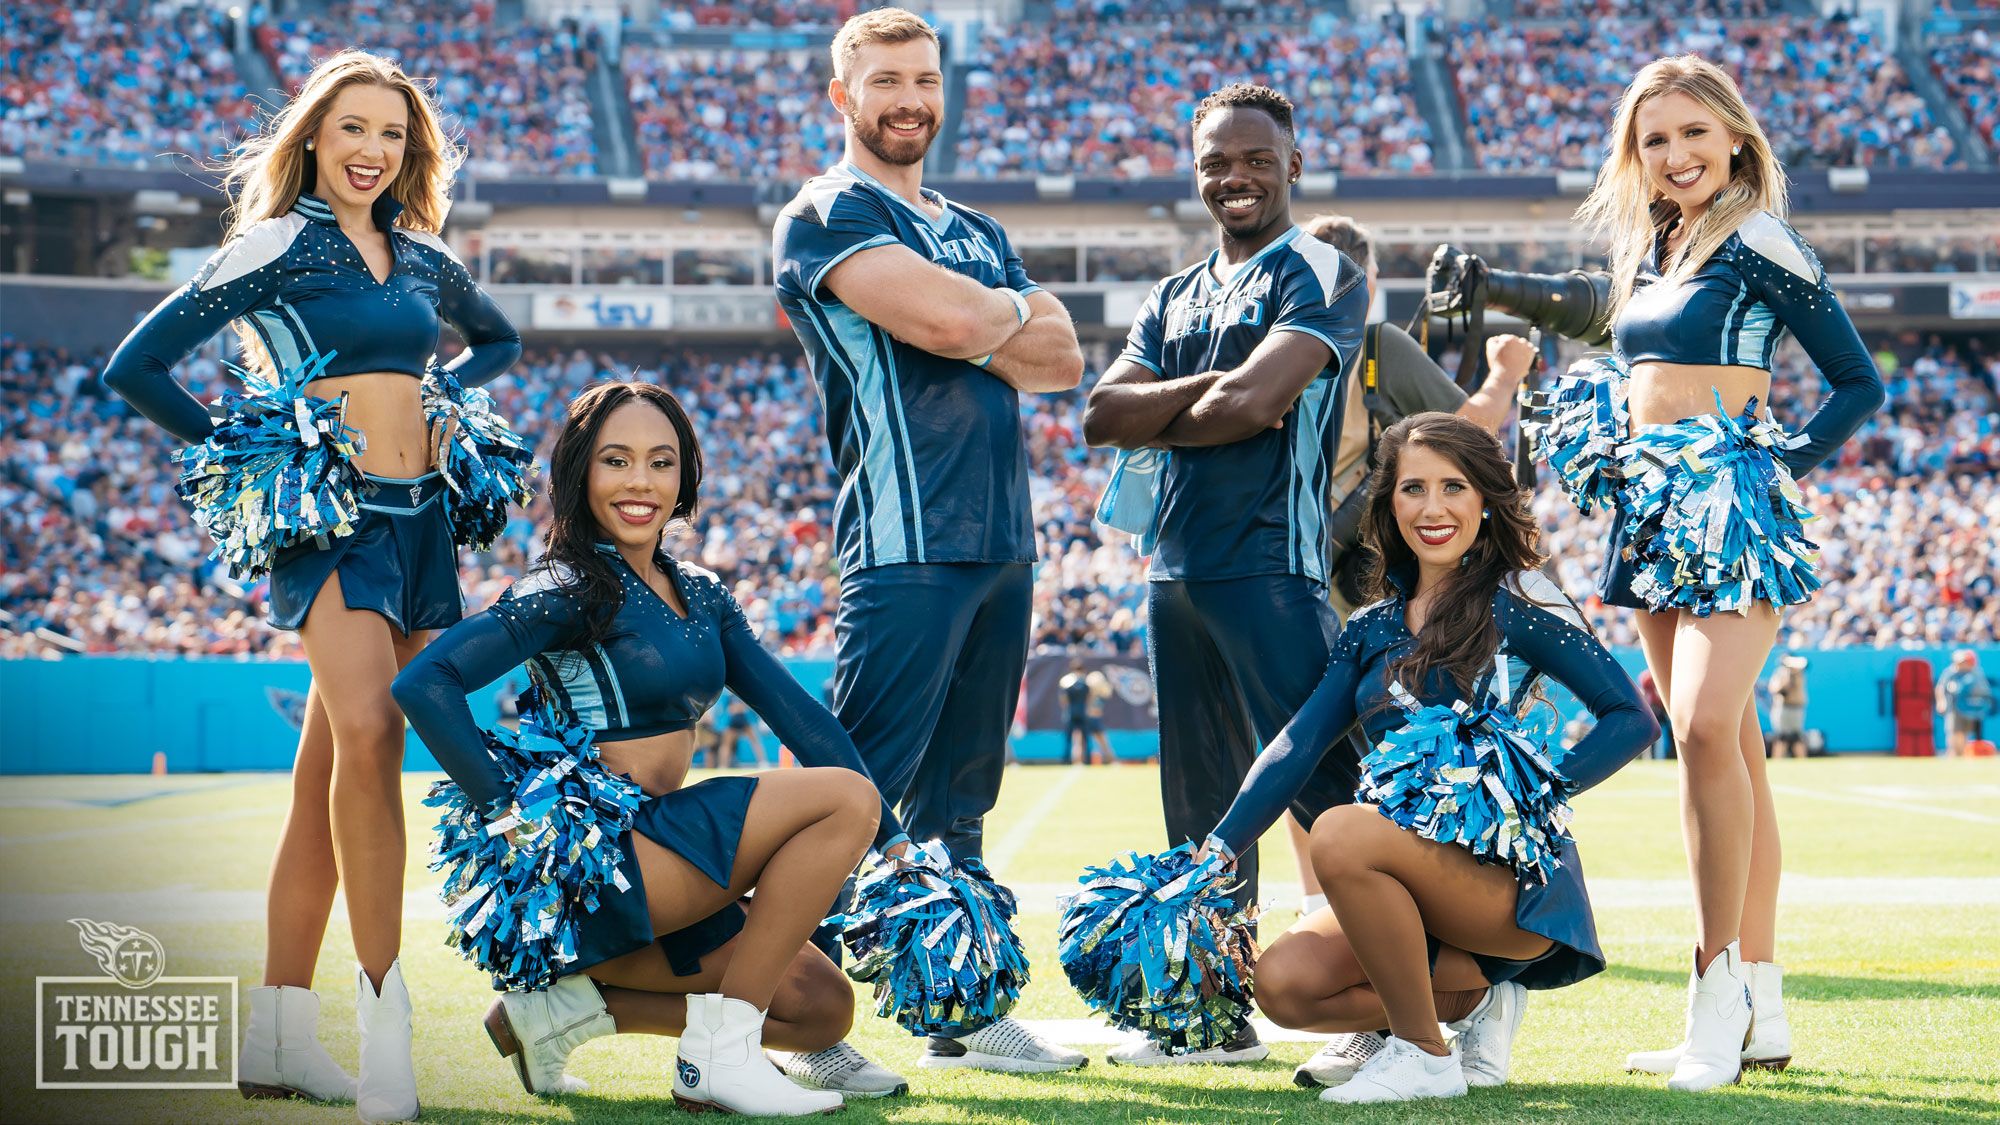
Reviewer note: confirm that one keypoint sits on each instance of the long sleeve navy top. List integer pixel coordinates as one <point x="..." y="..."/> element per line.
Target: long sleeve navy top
<point x="302" y="285"/>
<point x="1542" y="634"/>
<point x="655" y="671"/>
<point x="1763" y="280"/>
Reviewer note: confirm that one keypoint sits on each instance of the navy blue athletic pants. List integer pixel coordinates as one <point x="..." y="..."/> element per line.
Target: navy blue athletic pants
<point x="1233" y="661"/>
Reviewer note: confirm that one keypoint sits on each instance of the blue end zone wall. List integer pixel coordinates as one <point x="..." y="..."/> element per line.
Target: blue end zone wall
<point x="110" y="714"/>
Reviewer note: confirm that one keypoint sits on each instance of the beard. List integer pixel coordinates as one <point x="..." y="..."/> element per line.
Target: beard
<point x="893" y="149"/>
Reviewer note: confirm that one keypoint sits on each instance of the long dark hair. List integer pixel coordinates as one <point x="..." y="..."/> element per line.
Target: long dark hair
<point x="573" y="533"/>
<point x="1459" y="633"/>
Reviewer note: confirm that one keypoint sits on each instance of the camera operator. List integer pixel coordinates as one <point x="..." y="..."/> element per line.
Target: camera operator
<point x="1398" y="379"/>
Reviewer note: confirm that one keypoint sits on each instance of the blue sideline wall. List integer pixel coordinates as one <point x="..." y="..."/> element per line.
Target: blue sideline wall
<point x="110" y="714"/>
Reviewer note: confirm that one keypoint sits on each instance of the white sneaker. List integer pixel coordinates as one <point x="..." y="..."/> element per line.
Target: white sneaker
<point x="1005" y="1044"/>
<point x="1143" y="1051"/>
<point x="536" y="1031"/>
<point x="722" y="1066"/>
<point x="1718" y="1026"/>
<point x="1770" y="1045"/>
<point x="1339" y="1060"/>
<point x="1486" y="1037"/>
<point x="1401" y="1071"/>
<point x="282" y="1056"/>
<point x="387" y="1087"/>
<point x="844" y="1069"/>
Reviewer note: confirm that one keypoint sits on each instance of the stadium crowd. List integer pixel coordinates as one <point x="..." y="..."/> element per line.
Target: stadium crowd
<point x="118" y="83"/>
<point x="1967" y="64"/>
<point x="97" y="554"/>
<point x="1106" y="88"/>
<point x="712" y="114"/>
<point x="518" y="93"/>
<point x="1825" y="90"/>
<point x="1091" y="87"/>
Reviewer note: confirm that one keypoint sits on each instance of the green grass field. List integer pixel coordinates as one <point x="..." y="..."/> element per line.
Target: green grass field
<point x="1890" y="932"/>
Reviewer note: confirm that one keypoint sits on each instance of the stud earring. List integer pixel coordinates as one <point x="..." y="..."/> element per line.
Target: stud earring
<point x="309" y="144"/>
<point x="1485" y="513"/>
<point x="1736" y="150"/>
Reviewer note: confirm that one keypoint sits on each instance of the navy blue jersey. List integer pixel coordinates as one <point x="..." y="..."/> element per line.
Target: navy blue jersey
<point x="1762" y="280"/>
<point x="929" y="450"/>
<point x="655" y="671"/>
<point x="1260" y="505"/>
<point x="301" y="284"/>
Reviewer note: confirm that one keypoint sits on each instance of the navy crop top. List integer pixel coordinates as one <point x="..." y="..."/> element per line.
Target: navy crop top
<point x="303" y="287"/>
<point x="1541" y="634"/>
<point x="655" y="671"/>
<point x="1763" y="280"/>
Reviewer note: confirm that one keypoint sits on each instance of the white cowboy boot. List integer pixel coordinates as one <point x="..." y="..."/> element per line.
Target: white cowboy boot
<point x="282" y="1056"/>
<point x="536" y="1031"/>
<point x="1770" y="1045"/>
<point x="1718" y="1025"/>
<point x="721" y="1065"/>
<point x="388" y="1084"/>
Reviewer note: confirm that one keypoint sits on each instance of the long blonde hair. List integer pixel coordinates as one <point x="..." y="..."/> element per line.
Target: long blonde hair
<point x="266" y="174"/>
<point x="1628" y="212"/>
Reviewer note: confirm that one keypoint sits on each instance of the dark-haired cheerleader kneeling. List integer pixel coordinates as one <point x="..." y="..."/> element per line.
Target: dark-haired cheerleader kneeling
<point x="635" y="645"/>
<point x="1445" y="907"/>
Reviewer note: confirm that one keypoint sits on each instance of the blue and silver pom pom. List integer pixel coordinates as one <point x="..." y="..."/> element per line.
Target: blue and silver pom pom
<point x="1156" y="944"/>
<point x="1479" y="777"/>
<point x="277" y="471"/>
<point x="515" y="907"/>
<point x="1714" y="519"/>
<point x="486" y="465"/>
<point x="936" y="939"/>
<point x="1578" y="425"/>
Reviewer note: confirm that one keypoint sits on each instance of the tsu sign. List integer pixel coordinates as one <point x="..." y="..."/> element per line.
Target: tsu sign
<point x="603" y="310"/>
<point x="1975" y="300"/>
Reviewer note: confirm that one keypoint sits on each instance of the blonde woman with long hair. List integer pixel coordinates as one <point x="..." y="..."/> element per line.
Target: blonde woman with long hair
<point x="1708" y="536"/>
<point x="333" y="256"/>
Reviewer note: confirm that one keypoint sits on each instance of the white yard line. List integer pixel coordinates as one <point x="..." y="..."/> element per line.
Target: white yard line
<point x="163" y="905"/>
<point x="1023" y="831"/>
<point x="122" y="827"/>
<point x="1795" y="890"/>
<point x="1885" y="803"/>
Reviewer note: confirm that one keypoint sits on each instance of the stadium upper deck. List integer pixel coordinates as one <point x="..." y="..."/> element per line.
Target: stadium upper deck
<point x="1096" y="89"/>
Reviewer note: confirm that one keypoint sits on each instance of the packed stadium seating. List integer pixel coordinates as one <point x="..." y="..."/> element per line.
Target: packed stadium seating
<point x="731" y="115"/>
<point x="1544" y="95"/>
<point x="95" y="548"/>
<point x="118" y="83"/>
<point x="1095" y="88"/>
<point x="518" y="93"/>
<point x="1108" y="88"/>
<point x="1967" y="63"/>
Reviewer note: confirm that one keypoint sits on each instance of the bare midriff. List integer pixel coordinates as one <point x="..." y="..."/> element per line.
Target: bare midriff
<point x="387" y="408"/>
<point x="1662" y="393"/>
<point x="657" y="763"/>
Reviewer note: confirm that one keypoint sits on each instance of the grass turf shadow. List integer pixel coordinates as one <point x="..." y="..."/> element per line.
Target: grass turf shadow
<point x="1821" y="987"/>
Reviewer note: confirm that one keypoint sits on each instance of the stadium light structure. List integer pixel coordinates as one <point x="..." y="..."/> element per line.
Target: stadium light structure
<point x="151" y="201"/>
<point x="1575" y="181"/>
<point x="1318" y="185"/>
